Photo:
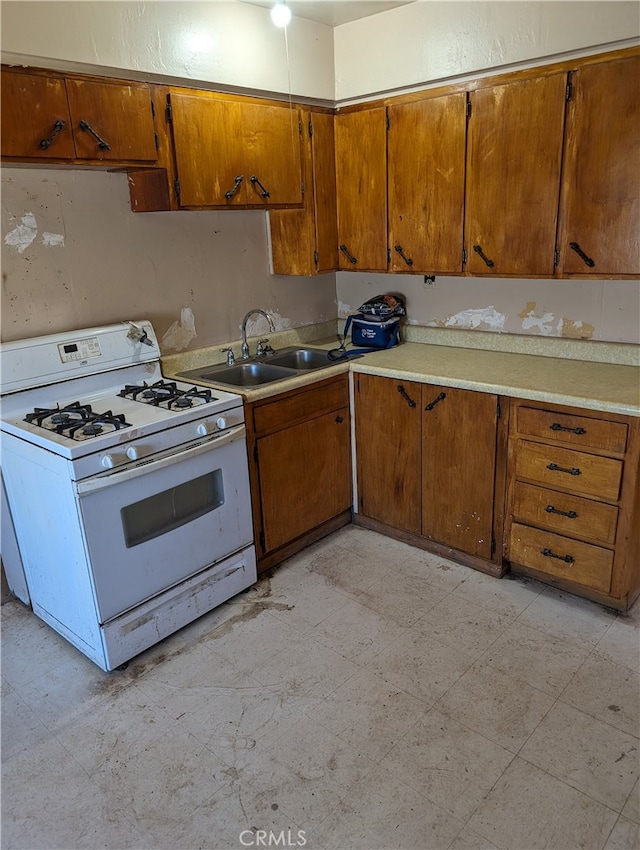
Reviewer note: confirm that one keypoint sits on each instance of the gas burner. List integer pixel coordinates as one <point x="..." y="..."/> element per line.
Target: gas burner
<point x="76" y="421"/>
<point x="166" y="394"/>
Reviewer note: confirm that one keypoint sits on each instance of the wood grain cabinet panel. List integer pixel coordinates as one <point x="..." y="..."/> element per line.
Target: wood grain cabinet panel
<point x="361" y="181"/>
<point x="566" y="469"/>
<point x="578" y="431"/>
<point x="600" y="202"/>
<point x="514" y="154"/>
<point x="426" y="151"/>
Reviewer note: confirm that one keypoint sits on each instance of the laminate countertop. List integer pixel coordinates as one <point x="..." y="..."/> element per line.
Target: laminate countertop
<point x="578" y="383"/>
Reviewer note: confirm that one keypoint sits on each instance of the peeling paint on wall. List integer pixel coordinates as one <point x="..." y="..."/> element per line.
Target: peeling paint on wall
<point x="181" y="332"/>
<point x="344" y="309"/>
<point x="475" y="317"/>
<point x="575" y="329"/>
<point x="530" y="320"/>
<point x="23" y="235"/>
<point x="53" y="240"/>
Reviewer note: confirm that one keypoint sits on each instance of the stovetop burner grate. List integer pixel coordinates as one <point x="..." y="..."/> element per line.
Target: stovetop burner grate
<point x="166" y="394"/>
<point x="76" y="421"/>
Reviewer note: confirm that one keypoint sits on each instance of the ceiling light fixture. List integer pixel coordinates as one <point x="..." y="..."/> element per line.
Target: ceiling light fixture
<point x="280" y="14"/>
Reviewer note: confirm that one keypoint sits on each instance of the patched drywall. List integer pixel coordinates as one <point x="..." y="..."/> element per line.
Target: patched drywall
<point x="75" y="256"/>
<point x="576" y="309"/>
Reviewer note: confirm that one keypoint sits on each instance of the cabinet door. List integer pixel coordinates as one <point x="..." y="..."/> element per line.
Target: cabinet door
<point x="209" y="157"/>
<point x="120" y="114"/>
<point x="515" y="134"/>
<point x="600" y="204"/>
<point x="305" y="241"/>
<point x="361" y="180"/>
<point x="387" y="415"/>
<point x="305" y="476"/>
<point x="459" y="434"/>
<point x="35" y="117"/>
<point x="271" y="142"/>
<point x="426" y="184"/>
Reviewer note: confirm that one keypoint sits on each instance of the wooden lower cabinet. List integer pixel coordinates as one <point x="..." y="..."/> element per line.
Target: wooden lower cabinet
<point x="573" y="508"/>
<point x="300" y="466"/>
<point x="430" y="465"/>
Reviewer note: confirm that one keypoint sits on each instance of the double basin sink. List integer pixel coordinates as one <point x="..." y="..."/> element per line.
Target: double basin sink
<point x="286" y="363"/>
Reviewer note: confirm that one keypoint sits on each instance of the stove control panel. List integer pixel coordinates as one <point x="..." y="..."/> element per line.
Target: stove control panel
<point x="81" y="349"/>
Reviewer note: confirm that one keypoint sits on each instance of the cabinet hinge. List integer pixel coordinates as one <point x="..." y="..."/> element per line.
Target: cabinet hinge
<point x="556" y="258"/>
<point x="316" y="258"/>
<point x="177" y="187"/>
<point x="168" y="111"/>
<point x="468" y="109"/>
<point x="493" y="546"/>
<point x="499" y="408"/>
<point x="153" y="109"/>
<point x="464" y="256"/>
<point x="388" y="122"/>
<point x="302" y="188"/>
<point x="155" y="136"/>
<point x="569" y="92"/>
<point x="300" y="127"/>
<point x="262" y="544"/>
<point x="310" y="128"/>
<point x="388" y="255"/>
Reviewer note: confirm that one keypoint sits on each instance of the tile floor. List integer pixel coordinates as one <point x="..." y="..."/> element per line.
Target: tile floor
<point x="367" y="695"/>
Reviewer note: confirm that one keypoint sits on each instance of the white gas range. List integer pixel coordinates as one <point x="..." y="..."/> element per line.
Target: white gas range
<point x="129" y="494"/>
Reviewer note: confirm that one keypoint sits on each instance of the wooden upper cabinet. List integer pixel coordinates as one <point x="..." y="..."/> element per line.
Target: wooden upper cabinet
<point x="235" y="153"/>
<point x="426" y="165"/>
<point x="515" y="134"/>
<point x="361" y="180"/>
<point x="600" y="203"/>
<point x="35" y="117"/>
<point x="112" y="120"/>
<point x="305" y="241"/>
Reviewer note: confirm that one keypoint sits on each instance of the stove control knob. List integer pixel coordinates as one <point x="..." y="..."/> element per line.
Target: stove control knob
<point x="202" y="430"/>
<point x="221" y="422"/>
<point x="132" y="453"/>
<point x="108" y="462"/>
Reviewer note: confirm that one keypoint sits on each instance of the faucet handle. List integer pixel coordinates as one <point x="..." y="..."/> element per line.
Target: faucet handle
<point x="264" y="349"/>
<point x="230" y="358"/>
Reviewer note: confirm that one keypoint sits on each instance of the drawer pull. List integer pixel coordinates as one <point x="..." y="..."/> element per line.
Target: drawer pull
<point x="236" y="185"/>
<point x="405" y="395"/>
<point x="46" y="143"/>
<point x="433" y="403"/>
<point x="349" y="256"/>
<point x="104" y="146"/>
<point x="555" y="468"/>
<point x="264" y="192"/>
<point x="551" y="510"/>
<point x="339" y="420"/>
<point x="549" y="554"/>
<point x="558" y="427"/>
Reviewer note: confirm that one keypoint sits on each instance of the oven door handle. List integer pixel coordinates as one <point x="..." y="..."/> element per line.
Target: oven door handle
<point x="143" y="467"/>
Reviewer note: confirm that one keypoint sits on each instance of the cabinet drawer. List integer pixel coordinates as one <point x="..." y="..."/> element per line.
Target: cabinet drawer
<point x="305" y="405"/>
<point x="569" y="470"/>
<point x="565" y="513"/>
<point x="561" y="557"/>
<point x="578" y="430"/>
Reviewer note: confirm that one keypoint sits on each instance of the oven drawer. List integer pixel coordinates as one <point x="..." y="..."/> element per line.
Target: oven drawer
<point x="581" y="431"/>
<point x="565" y="513"/>
<point x="562" y="557"/>
<point x="567" y="469"/>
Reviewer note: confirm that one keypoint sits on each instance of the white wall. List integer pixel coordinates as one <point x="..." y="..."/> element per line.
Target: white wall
<point x="428" y="41"/>
<point x="231" y="44"/>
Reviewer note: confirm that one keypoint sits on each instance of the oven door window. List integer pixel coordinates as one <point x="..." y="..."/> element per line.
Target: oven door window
<point x="166" y="511"/>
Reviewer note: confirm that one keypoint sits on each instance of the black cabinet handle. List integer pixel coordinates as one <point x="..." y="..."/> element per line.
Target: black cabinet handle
<point x="339" y="419"/>
<point x="236" y="185"/>
<point x="433" y="403"/>
<point x="555" y="468"/>
<point x="558" y="427"/>
<point x="405" y="395"/>
<point x="104" y="146"/>
<point x="551" y="510"/>
<point x="57" y="127"/>
<point x="349" y="257"/>
<point x="549" y="554"/>
<point x="584" y="257"/>
<point x="264" y="192"/>
<point x="483" y="256"/>
<point x="407" y="260"/>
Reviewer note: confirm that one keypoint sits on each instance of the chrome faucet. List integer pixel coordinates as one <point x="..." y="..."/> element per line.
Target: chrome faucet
<point x="245" y="345"/>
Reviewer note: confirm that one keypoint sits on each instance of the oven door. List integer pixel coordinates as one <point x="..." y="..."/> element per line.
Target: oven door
<point x="152" y="524"/>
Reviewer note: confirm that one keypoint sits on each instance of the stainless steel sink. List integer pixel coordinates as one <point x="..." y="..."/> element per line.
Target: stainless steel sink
<point x="287" y="363"/>
<point x="301" y="358"/>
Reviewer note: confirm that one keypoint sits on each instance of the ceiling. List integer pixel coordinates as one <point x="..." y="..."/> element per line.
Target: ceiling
<point x="335" y="12"/>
